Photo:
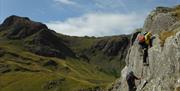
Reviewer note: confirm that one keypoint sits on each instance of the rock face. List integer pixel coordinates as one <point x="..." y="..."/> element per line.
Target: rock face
<point x="163" y="72"/>
<point x="112" y="46"/>
<point x="159" y="20"/>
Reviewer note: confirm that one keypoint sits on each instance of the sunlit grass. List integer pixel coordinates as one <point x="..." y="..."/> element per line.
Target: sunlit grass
<point x="80" y="74"/>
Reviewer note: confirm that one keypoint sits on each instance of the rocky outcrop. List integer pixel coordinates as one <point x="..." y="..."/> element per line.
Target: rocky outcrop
<point x="50" y="63"/>
<point x="53" y="84"/>
<point x="159" y="20"/>
<point x="112" y="46"/>
<point x="163" y="72"/>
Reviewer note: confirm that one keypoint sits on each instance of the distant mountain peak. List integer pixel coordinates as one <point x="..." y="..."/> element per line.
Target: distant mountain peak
<point x="14" y="19"/>
<point x="20" y="27"/>
<point x="36" y="36"/>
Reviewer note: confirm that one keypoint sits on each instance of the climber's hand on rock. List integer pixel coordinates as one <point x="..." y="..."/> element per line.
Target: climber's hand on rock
<point x="140" y="78"/>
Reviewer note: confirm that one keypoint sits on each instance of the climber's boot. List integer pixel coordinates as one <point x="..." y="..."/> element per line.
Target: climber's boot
<point x="145" y="64"/>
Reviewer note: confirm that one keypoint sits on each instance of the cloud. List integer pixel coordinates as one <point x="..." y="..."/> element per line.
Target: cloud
<point x="67" y="2"/>
<point x="115" y="5"/>
<point x="94" y="5"/>
<point x="98" y="24"/>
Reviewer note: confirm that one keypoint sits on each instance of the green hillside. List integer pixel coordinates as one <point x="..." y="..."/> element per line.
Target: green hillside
<point x="34" y="58"/>
<point x="24" y="71"/>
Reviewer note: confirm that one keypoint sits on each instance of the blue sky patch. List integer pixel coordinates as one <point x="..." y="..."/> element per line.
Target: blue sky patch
<point x="85" y="17"/>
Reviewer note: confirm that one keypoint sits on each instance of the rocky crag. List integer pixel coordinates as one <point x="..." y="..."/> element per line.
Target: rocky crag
<point x="163" y="72"/>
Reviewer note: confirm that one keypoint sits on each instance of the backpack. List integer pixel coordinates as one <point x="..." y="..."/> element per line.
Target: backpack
<point x="141" y="38"/>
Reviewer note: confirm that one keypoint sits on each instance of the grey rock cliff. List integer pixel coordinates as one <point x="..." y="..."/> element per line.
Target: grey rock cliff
<point x="159" y="20"/>
<point x="163" y="72"/>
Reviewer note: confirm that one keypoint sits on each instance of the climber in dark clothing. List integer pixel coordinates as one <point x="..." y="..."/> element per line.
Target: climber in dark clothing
<point x="130" y="78"/>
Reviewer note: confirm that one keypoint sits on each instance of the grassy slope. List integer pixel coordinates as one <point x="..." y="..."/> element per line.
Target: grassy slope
<point x="78" y="44"/>
<point x="104" y="63"/>
<point x="77" y="73"/>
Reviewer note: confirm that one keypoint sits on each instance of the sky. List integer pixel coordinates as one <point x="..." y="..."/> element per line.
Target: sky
<point x="85" y="17"/>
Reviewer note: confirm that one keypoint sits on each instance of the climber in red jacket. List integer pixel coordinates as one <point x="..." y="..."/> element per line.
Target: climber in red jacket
<point x="145" y="40"/>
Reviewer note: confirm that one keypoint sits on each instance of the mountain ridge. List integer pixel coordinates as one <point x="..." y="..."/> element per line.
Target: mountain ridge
<point x="30" y="49"/>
